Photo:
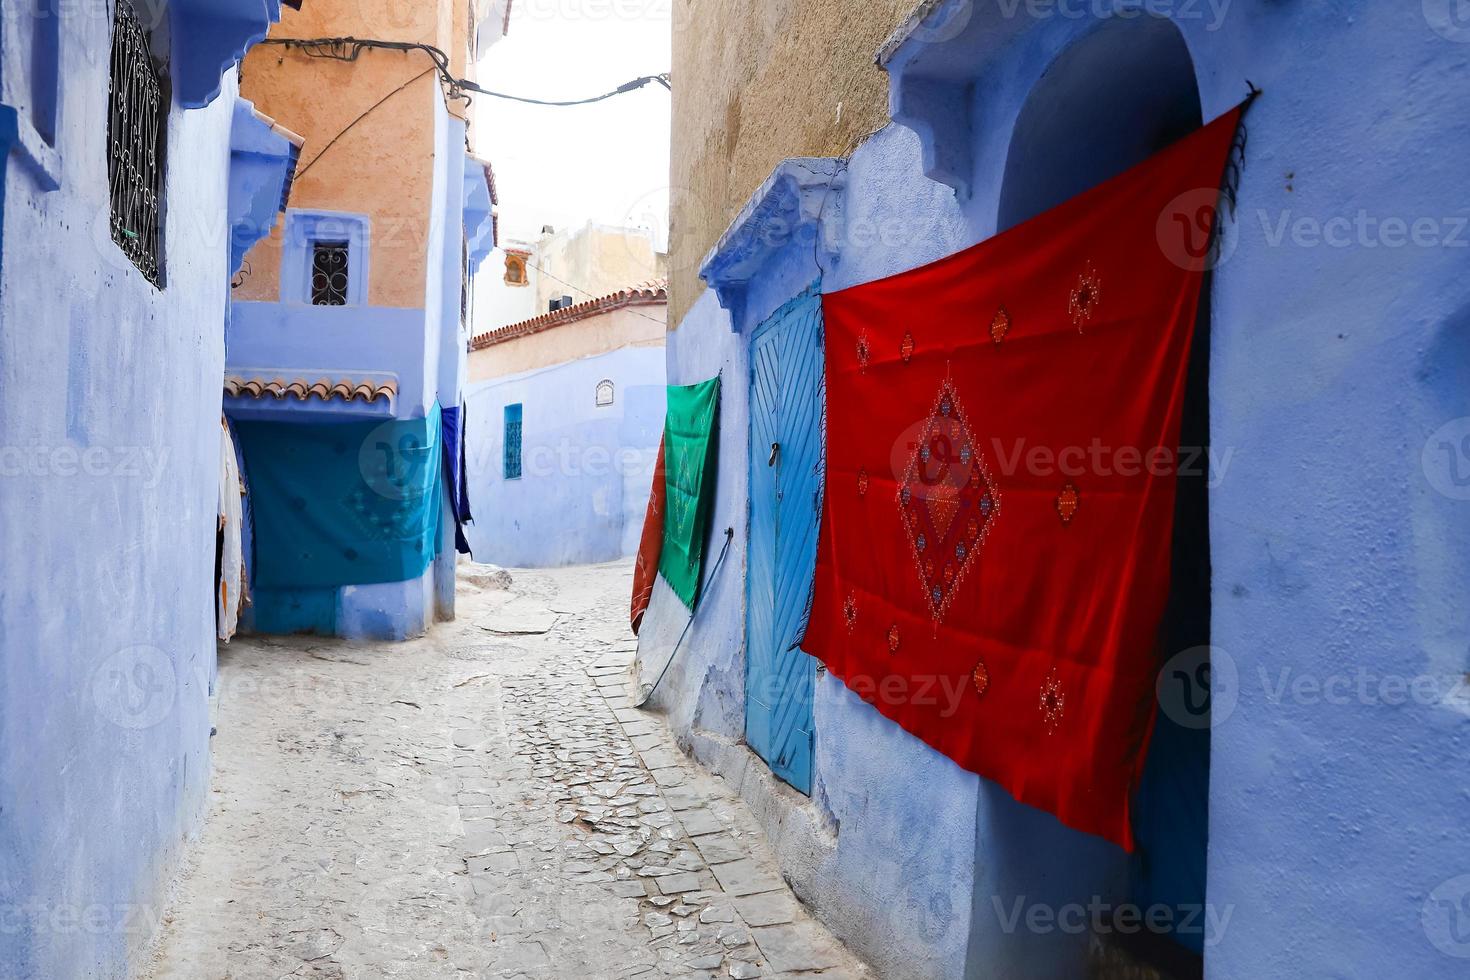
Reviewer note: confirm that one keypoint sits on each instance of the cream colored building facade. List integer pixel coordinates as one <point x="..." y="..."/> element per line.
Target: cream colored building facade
<point x="522" y="279"/>
<point x="626" y="318"/>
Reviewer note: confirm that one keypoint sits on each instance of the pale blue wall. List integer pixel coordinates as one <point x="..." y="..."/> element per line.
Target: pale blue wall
<point x="1334" y="827"/>
<point x="586" y="470"/>
<point x="109" y="465"/>
<point x="332" y="341"/>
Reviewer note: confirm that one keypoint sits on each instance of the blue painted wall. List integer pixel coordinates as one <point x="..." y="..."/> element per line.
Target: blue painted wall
<point x="109" y="465"/>
<point x="586" y="471"/>
<point x="1338" y="535"/>
<point x="866" y="848"/>
<point x="421" y="348"/>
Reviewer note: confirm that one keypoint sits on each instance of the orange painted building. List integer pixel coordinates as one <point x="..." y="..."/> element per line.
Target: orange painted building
<point x="354" y="307"/>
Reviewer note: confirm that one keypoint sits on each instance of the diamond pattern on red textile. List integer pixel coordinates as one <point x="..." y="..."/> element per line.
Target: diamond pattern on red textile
<point x="946" y="479"/>
<point x="1067" y="502"/>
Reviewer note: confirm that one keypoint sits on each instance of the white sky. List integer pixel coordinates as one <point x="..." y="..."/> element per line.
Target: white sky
<point x="607" y="162"/>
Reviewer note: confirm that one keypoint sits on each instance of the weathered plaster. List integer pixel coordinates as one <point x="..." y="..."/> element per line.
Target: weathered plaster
<point x="109" y="465"/>
<point x="383" y="166"/>
<point x="754" y="84"/>
<point x="641" y="326"/>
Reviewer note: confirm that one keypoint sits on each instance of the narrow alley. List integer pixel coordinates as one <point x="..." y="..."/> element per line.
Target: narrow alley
<point x="482" y="802"/>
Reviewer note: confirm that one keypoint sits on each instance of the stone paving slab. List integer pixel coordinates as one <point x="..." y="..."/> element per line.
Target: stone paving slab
<point x="460" y="808"/>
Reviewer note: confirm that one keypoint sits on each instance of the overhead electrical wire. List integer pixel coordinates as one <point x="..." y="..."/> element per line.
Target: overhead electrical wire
<point x="361" y="116"/>
<point x="350" y="48"/>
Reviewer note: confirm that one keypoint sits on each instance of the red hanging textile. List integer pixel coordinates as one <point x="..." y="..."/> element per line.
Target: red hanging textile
<point x="1002" y="439"/>
<point x="650" y="545"/>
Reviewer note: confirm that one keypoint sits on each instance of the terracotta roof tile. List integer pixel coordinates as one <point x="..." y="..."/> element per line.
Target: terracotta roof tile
<point x="302" y="389"/>
<point x="651" y="292"/>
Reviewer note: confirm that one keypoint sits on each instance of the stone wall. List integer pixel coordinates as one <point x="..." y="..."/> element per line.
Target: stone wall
<point x="755" y="83"/>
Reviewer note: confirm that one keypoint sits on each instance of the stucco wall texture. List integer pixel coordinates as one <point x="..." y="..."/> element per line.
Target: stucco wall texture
<point x="383" y="165"/>
<point x="109" y="419"/>
<point x="755" y="83"/>
<point x="1338" y="541"/>
<point x="586" y="469"/>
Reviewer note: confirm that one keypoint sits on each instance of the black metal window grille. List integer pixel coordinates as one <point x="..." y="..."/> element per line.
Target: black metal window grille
<point x="329" y="274"/>
<point x="464" y="280"/>
<point x="137" y="115"/>
<point x="513" y="442"/>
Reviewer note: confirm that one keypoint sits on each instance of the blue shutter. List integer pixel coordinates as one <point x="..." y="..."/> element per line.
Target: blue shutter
<point x="786" y="410"/>
<point x="513" y="442"/>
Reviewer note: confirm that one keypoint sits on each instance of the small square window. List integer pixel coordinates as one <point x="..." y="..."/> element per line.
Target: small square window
<point x="325" y="259"/>
<point x="515" y="270"/>
<point x="329" y="273"/>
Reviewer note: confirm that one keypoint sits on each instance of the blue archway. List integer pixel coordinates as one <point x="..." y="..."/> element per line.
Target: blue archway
<point x="1116" y="96"/>
<point x="1109" y="101"/>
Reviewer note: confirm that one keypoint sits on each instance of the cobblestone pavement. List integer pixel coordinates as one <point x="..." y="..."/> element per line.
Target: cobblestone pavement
<point x="483" y="802"/>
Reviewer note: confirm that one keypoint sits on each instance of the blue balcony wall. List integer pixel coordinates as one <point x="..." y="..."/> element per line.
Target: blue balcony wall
<point x="262" y="163"/>
<point x="300" y="340"/>
<point x="586" y="471"/>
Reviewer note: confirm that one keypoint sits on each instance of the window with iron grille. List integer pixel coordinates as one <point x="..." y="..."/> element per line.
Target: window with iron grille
<point x="329" y="273"/>
<point x="464" y="280"/>
<point x="513" y="442"/>
<point x="137" y="116"/>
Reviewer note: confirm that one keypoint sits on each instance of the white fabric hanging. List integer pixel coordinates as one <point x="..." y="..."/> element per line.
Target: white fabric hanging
<point x="228" y="593"/>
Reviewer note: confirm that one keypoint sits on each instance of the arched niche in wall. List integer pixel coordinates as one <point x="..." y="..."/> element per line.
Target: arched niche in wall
<point x="1117" y="95"/>
<point x="1109" y="101"/>
<point x="605" y="392"/>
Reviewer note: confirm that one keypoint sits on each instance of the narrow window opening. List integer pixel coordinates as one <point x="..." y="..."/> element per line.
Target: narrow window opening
<point x="513" y="442"/>
<point x="137" y="117"/>
<point x="329" y="273"/>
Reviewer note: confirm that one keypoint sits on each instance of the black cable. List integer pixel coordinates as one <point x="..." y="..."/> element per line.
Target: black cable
<point x="590" y="296"/>
<point x="350" y="48"/>
<point x="729" y="536"/>
<point x="365" y="113"/>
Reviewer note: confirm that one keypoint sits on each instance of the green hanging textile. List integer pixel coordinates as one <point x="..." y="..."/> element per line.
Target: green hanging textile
<point x="690" y="447"/>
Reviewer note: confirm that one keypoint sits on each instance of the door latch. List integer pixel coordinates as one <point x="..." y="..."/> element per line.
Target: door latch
<point x="775" y="451"/>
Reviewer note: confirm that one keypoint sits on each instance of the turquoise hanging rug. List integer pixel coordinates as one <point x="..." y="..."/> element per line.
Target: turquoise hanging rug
<point x="347" y="504"/>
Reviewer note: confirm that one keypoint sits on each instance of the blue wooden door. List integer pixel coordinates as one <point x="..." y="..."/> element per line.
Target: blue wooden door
<point x="785" y="487"/>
